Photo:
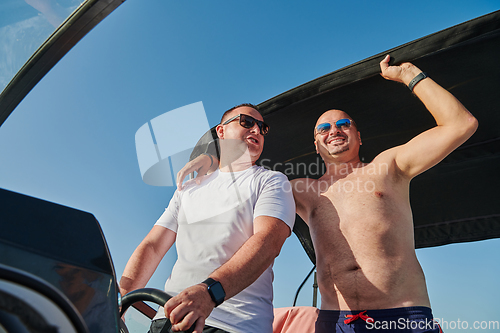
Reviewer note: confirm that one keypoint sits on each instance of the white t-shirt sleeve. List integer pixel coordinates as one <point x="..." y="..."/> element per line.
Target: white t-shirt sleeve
<point x="169" y="217"/>
<point x="276" y="200"/>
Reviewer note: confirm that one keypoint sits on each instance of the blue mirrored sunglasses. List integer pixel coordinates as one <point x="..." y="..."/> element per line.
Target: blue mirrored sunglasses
<point x="341" y="124"/>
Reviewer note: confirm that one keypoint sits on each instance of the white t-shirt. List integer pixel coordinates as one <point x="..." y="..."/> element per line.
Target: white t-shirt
<point x="212" y="221"/>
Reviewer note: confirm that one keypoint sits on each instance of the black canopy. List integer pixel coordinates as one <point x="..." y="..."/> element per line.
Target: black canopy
<point x="455" y="201"/>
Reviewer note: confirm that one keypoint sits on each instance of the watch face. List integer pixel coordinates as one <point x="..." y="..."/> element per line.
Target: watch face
<point x="218" y="292"/>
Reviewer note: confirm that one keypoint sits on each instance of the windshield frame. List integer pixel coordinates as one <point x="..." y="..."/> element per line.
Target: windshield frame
<point x="67" y="35"/>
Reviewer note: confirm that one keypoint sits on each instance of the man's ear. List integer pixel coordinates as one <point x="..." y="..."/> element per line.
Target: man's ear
<point x="316" y="145"/>
<point x="220" y="131"/>
<point x="359" y="137"/>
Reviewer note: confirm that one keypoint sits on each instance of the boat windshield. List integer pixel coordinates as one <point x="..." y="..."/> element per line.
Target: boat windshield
<point x="24" y="26"/>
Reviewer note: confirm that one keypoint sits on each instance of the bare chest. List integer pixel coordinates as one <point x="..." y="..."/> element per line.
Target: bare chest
<point x="357" y="204"/>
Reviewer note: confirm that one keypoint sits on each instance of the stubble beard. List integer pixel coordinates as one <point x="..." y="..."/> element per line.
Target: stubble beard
<point x="336" y="152"/>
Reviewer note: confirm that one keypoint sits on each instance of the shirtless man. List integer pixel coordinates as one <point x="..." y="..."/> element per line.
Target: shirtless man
<point x="360" y="217"/>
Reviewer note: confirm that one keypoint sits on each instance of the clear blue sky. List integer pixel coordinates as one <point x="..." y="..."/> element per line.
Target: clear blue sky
<point x="71" y="140"/>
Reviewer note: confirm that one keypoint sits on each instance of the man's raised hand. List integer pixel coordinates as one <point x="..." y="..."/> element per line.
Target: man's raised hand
<point x="403" y="73"/>
<point x="201" y="164"/>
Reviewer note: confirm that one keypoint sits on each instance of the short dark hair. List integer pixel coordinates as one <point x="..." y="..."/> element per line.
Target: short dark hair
<point x="250" y="105"/>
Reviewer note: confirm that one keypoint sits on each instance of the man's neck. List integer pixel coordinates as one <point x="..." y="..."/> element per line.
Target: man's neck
<point x="339" y="168"/>
<point x="240" y="164"/>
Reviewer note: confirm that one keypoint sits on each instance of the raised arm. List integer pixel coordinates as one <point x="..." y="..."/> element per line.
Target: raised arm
<point x="146" y="258"/>
<point x="245" y="266"/>
<point x="454" y="123"/>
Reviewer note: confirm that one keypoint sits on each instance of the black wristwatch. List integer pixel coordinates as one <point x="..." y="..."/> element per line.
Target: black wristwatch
<point x="216" y="291"/>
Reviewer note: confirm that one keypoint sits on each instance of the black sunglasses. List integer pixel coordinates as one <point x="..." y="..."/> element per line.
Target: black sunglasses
<point x="248" y="122"/>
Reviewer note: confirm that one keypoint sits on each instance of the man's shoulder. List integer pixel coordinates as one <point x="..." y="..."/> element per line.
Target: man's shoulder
<point x="272" y="182"/>
<point x="269" y="174"/>
<point x="305" y="187"/>
<point x="386" y="155"/>
<point x="384" y="163"/>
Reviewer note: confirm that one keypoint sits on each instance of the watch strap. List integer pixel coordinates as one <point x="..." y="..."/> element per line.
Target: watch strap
<point x="209" y="282"/>
<point x="416" y="80"/>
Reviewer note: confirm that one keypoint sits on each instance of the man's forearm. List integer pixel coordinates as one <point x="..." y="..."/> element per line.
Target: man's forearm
<point x="145" y="259"/>
<point x="139" y="269"/>
<point x="252" y="259"/>
<point x="444" y="107"/>
<point x="454" y="122"/>
<point x="244" y="267"/>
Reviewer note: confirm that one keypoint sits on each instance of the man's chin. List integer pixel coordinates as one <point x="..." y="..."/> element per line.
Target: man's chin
<point x="254" y="153"/>
<point x="338" y="151"/>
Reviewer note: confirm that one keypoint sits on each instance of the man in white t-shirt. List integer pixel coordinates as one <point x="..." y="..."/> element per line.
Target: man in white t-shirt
<point x="227" y="229"/>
